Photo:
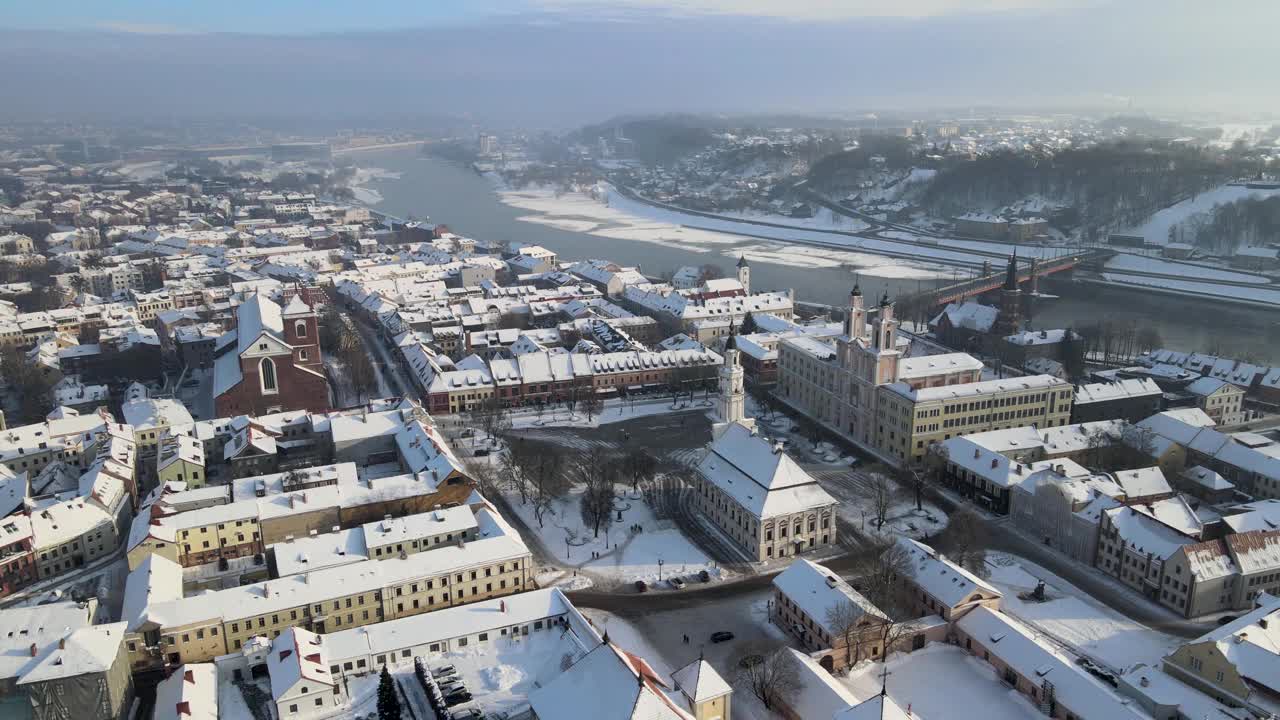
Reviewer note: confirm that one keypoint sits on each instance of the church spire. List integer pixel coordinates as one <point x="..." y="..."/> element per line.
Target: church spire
<point x="1011" y="272"/>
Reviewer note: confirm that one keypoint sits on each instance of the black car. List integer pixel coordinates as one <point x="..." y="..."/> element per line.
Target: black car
<point x="721" y="636"/>
<point x="482" y="452"/>
<point x="457" y="697"/>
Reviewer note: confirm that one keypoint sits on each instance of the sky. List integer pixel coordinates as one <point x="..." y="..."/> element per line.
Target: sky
<point x="566" y="62"/>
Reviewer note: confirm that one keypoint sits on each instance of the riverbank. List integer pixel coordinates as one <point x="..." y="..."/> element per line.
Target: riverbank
<point x="470" y="205"/>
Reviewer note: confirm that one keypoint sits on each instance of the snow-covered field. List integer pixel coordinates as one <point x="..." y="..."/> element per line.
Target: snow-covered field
<point x="615" y="410"/>
<point x="1142" y="263"/>
<point x="624" y="556"/>
<point x="625" y="219"/>
<point x="943" y="681"/>
<point x="1156" y="228"/>
<point x="1074" y="618"/>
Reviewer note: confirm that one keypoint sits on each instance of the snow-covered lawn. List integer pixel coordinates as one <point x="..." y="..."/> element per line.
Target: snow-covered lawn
<point x="615" y="410"/>
<point x="943" y="681"/>
<point x="502" y="673"/>
<point x="621" y="555"/>
<point x="1074" y="618"/>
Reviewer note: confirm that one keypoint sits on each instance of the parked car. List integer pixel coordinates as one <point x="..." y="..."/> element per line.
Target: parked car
<point x="1226" y="619"/>
<point x="642" y="586"/>
<point x="482" y="452"/>
<point x="457" y="697"/>
<point x="466" y="714"/>
<point x="444" y="670"/>
<point x="451" y="687"/>
<point x="676" y="583"/>
<point x="467" y="433"/>
<point x="721" y="636"/>
<point x="704" y="576"/>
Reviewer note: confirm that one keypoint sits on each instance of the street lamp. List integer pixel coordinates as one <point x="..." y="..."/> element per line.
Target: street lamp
<point x="659" y="569"/>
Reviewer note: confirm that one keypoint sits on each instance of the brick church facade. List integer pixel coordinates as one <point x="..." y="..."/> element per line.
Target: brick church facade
<point x="271" y="361"/>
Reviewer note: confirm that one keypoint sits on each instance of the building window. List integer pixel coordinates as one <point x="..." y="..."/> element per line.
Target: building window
<point x="300" y="328"/>
<point x="267" y="373"/>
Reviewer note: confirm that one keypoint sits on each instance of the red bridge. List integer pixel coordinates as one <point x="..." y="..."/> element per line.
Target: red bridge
<point x="1031" y="272"/>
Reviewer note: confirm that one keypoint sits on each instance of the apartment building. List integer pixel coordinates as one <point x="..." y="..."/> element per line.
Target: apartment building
<point x="825" y="613"/>
<point x="912" y="420"/>
<point x="1236" y="663"/>
<point x="166" y="629"/>
<point x="864" y="388"/>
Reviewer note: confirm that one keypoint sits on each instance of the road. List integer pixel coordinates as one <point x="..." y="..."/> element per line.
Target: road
<point x="389" y="372"/>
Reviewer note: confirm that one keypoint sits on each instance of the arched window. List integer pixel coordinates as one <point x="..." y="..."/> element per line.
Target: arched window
<point x="300" y="328"/>
<point x="267" y="372"/>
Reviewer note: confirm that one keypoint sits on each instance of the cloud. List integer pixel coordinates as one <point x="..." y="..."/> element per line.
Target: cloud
<point x="141" y="28"/>
<point x="809" y="9"/>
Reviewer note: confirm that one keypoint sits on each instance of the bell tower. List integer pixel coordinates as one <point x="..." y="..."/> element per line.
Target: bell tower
<point x="732" y="407"/>
<point x="744" y="274"/>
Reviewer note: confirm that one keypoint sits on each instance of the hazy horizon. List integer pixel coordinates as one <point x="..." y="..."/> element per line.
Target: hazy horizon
<point x="566" y="62"/>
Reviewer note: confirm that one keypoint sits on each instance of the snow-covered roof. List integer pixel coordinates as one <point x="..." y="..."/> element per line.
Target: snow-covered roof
<point x="155" y="412"/>
<point x="820" y="694"/>
<point x="819" y="592"/>
<point x="1207" y="386"/>
<point x="946" y="581"/>
<point x="607" y="683"/>
<point x="986" y="387"/>
<point x="282" y="593"/>
<point x="1142" y="482"/>
<point x="1029" y="338"/>
<point x="297" y="655"/>
<point x="1260" y="515"/>
<point x="760" y="477"/>
<point x="85" y="650"/>
<point x="447" y="623"/>
<point x="928" y="365"/>
<point x="1016" y="645"/>
<point x="39" y="625"/>
<point x="189" y="693"/>
<point x="1120" y="389"/>
<point x="1251" y="643"/>
<point x="1144" y="534"/>
<point x="700" y="682"/>
<point x="970" y="316"/>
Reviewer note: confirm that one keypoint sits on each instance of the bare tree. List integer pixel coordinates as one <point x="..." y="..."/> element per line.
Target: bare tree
<point x="516" y="460"/>
<point x="593" y="406"/>
<point x="967" y="535"/>
<point x="772" y="675"/>
<point x="878" y="573"/>
<point x="1141" y="441"/>
<point x="571" y="398"/>
<point x="881" y="497"/>
<point x="1097" y="442"/>
<point x="549" y="483"/>
<point x="597" y="473"/>
<point x="640" y="466"/>
<point x="915" y="477"/>
<point x="856" y="625"/>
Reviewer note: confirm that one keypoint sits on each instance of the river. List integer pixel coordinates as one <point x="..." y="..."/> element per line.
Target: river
<point x="466" y="202"/>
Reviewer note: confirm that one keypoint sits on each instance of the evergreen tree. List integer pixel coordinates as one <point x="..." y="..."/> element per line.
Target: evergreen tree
<point x="388" y="700"/>
<point x="748" y="325"/>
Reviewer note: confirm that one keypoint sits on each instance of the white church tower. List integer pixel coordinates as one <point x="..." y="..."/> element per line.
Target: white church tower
<point x="733" y="400"/>
<point x="744" y="274"/>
